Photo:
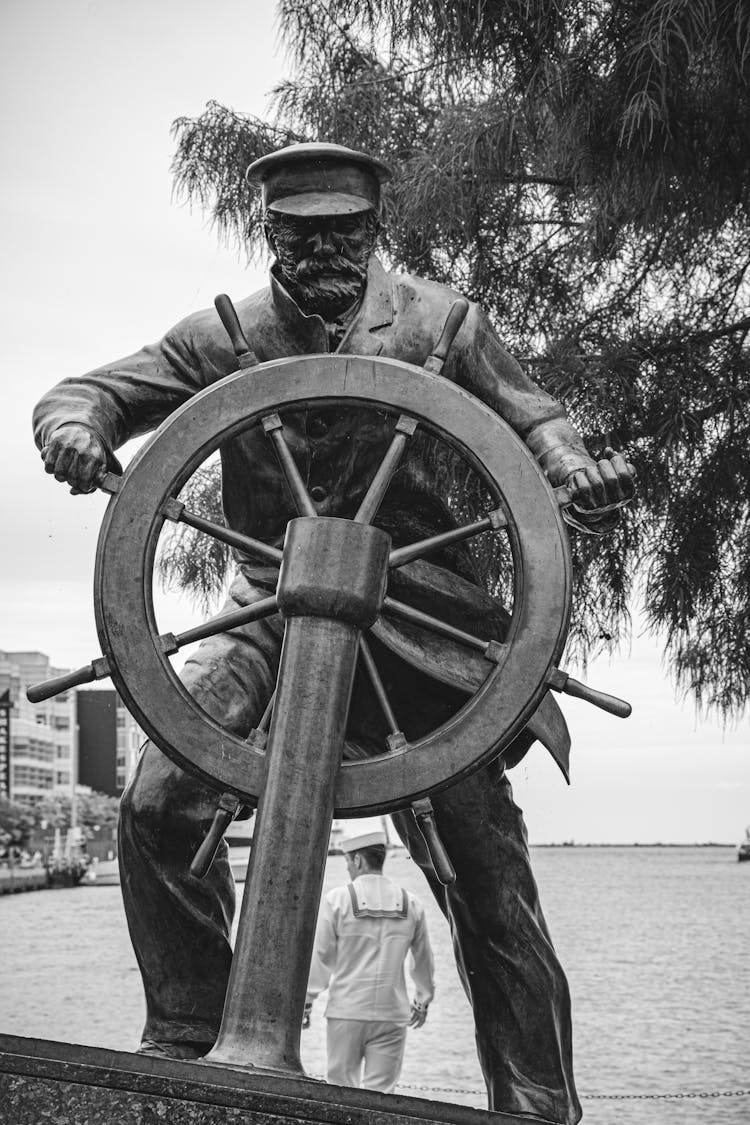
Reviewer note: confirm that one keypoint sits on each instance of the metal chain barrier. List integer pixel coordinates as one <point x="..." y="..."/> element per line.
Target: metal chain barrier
<point x="677" y="1096"/>
<point x="667" y="1097"/>
<point x="598" y="1097"/>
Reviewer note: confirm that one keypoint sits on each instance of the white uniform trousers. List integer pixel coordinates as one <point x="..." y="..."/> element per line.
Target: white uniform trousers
<point x="378" y="1044"/>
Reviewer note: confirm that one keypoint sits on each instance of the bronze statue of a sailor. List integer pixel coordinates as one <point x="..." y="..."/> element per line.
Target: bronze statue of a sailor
<point x="329" y="293"/>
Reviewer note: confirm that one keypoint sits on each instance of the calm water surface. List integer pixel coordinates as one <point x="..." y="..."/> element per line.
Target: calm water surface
<point x="655" y="941"/>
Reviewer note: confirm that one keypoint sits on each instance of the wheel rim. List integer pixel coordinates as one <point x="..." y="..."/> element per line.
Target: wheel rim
<point x="123" y="597"/>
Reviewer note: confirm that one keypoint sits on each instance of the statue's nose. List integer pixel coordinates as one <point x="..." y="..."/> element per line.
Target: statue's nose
<point x="322" y="245"/>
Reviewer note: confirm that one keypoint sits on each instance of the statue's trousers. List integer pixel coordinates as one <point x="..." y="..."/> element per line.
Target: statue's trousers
<point x="180" y="925"/>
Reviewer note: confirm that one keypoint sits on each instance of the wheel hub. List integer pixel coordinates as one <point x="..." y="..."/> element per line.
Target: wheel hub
<point x="333" y="568"/>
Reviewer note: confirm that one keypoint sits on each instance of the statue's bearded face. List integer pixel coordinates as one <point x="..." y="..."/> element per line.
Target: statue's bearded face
<point x="323" y="258"/>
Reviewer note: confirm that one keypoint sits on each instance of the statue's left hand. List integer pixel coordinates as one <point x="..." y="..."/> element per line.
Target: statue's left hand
<point x="603" y="485"/>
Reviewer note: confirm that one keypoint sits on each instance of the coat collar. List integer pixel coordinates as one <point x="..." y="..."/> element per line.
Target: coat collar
<point x="375" y="311"/>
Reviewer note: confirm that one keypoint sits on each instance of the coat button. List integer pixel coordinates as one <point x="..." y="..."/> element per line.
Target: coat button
<point x="318" y="493"/>
<point x="317" y="427"/>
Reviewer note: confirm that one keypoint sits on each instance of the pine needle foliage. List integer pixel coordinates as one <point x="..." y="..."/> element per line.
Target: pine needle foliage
<point x="582" y="169"/>
<point x="188" y="559"/>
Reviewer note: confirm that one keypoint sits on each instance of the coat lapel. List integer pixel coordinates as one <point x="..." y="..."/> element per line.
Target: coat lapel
<point x="301" y="334"/>
<point x="375" y="312"/>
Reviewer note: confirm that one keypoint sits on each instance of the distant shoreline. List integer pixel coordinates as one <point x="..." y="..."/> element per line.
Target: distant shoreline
<point x="655" y="844"/>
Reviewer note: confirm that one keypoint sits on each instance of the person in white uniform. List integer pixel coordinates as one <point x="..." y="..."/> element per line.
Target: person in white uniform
<point x="366" y="931"/>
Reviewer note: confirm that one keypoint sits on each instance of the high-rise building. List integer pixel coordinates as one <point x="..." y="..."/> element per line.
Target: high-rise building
<point x="42" y="736"/>
<point x="108" y="741"/>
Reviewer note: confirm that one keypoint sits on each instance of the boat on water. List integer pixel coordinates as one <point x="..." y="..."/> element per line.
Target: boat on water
<point x="106" y="872"/>
<point x="66" y="862"/>
<point x="102" y="873"/>
<point x="743" y="848"/>
<point x="63" y="863"/>
<point x="66" y="872"/>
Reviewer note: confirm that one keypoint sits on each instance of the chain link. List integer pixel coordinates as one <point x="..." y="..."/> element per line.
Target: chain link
<point x="677" y="1096"/>
<point x="598" y="1097"/>
<point x="667" y="1097"/>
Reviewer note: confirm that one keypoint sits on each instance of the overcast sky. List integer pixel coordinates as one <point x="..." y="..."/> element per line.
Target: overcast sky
<point x="99" y="259"/>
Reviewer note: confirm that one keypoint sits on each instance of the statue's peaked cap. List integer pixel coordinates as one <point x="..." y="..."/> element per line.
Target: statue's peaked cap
<point x="319" y="179"/>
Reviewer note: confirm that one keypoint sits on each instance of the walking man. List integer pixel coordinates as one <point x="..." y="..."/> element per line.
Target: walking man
<point x="366" y="930"/>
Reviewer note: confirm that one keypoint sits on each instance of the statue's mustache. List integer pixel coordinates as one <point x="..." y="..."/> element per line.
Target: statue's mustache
<point x="314" y="267"/>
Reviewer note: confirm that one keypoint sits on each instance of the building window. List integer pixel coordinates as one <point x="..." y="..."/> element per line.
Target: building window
<point x="42" y="751"/>
<point x="29" y="777"/>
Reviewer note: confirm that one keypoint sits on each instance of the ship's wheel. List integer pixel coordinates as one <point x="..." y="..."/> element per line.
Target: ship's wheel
<point x="333" y="589"/>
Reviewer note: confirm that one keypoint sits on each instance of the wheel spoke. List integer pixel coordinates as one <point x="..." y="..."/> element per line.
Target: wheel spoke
<point x="561" y="681"/>
<point x="378" y="686"/>
<point x="274" y="427"/>
<point x="176" y="511"/>
<point x="265" y="720"/>
<point x="492" y="649"/>
<point x="171" y="642"/>
<point x="226" y="811"/>
<point x="98" y="669"/>
<point x="405" y="427"/>
<point x="258" y="736"/>
<point x="493" y="522"/>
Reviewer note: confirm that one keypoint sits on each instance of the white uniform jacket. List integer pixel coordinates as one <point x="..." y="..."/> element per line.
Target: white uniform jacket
<point x="365" y="932"/>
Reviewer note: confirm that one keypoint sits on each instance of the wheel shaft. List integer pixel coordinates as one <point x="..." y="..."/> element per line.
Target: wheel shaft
<point x="321" y="576"/>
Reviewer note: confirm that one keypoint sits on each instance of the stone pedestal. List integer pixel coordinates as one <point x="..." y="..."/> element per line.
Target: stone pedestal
<point x="43" y="1081"/>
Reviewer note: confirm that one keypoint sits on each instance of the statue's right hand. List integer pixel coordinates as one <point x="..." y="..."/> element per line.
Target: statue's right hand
<point x="76" y="455"/>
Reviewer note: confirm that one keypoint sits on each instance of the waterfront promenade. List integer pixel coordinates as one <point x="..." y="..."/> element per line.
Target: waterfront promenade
<point x="14" y="878"/>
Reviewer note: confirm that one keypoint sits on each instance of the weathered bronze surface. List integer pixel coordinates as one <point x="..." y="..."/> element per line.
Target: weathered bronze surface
<point x="332" y="583"/>
<point x="516" y="674"/>
<point x="306" y="432"/>
<point x="319" y="179"/>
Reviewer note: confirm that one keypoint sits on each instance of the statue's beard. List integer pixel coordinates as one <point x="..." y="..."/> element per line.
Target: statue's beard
<point x="324" y="286"/>
<point x="327" y="293"/>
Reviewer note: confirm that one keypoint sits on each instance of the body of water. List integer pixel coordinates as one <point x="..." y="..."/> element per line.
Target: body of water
<point x="655" y="942"/>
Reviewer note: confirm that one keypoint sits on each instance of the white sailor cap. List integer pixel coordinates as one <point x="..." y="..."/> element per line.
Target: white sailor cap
<point x="364" y="834"/>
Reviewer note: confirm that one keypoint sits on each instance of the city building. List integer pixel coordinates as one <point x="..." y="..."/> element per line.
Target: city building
<point x="37" y="746"/>
<point x="108" y="741"/>
<point x="41" y="734"/>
